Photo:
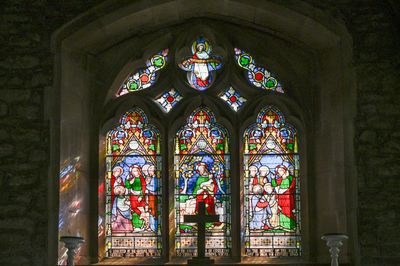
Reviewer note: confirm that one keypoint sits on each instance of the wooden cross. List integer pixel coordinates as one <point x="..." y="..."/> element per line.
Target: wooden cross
<point x="201" y="219"/>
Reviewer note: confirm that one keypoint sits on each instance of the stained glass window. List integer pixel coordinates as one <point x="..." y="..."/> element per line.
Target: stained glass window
<point x="201" y="65"/>
<point x="202" y="175"/>
<point x="145" y="77"/>
<point x="257" y="75"/>
<point x="271" y="182"/>
<point x="133" y="188"/>
<point x="169" y="99"/>
<point x="233" y="98"/>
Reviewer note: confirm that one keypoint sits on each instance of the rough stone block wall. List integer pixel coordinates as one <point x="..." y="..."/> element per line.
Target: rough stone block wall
<point x="377" y="59"/>
<point x="26" y="71"/>
<point x="375" y="29"/>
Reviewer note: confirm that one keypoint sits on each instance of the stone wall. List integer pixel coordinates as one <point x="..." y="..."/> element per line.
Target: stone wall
<point x="377" y="60"/>
<point x="26" y="71"/>
<point x="374" y="26"/>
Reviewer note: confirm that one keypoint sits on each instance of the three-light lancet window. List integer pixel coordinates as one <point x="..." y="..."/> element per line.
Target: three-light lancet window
<point x="201" y="148"/>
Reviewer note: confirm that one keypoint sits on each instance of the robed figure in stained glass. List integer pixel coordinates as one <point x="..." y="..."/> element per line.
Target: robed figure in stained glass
<point x="205" y="188"/>
<point x="136" y="185"/>
<point x="202" y="170"/>
<point x="201" y="65"/>
<point x="284" y="184"/>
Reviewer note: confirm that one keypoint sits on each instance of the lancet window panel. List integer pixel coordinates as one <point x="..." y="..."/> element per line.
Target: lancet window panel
<point x="202" y="166"/>
<point x="272" y="188"/>
<point x="133" y="188"/>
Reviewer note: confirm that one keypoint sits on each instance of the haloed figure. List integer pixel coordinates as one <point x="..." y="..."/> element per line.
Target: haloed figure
<point x="137" y="187"/>
<point x="284" y="185"/>
<point x="205" y="188"/>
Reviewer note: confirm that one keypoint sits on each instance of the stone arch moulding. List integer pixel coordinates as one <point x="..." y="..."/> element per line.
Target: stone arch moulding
<point x="78" y="47"/>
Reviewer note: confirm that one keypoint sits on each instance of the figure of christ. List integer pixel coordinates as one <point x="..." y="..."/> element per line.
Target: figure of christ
<point x="260" y="209"/>
<point x="284" y="185"/>
<point x="200" y="64"/>
<point x="205" y="189"/>
<point x="136" y="184"/>
<point x="200" y="68"/>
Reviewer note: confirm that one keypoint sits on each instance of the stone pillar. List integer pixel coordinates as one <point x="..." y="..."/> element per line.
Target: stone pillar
<point x="334" y="242"/>
<point x="71" y="243"/>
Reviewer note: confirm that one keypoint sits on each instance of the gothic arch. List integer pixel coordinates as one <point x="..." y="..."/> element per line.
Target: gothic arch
<point x="91" y="50"/>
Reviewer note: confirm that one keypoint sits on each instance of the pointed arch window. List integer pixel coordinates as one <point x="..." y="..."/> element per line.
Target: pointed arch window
<point x="95" y="85"/>
<point x="202" y="162"/>
<point x="271" y="187"/>
<point x="133" y="188"/>
<point x="201" y="168"/>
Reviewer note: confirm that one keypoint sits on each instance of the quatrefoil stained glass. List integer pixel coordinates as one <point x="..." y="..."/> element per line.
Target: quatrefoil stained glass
<point x="233" y="98"/>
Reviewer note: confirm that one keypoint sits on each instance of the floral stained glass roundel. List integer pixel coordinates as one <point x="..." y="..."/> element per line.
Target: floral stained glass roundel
<point x="202" y="175"/>
<point x="258" y="76"/>
<point x="133" y="188"/>
<point x="271" y="182"/>
<point x="201" y="66"/>
<point x="145" y="77"/>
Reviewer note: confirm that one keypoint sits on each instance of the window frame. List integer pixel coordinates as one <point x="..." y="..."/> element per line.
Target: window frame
<point x="226" y="116"/>
<point x="78" y="66"/>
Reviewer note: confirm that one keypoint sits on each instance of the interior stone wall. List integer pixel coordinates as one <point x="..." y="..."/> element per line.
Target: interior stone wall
<point x="374" y="26"/>
<point x="26" y="73"/>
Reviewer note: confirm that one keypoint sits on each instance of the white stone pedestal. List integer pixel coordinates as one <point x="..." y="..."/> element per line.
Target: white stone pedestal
<point x="334" y="242"/>
<point x="71" y="243"/>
